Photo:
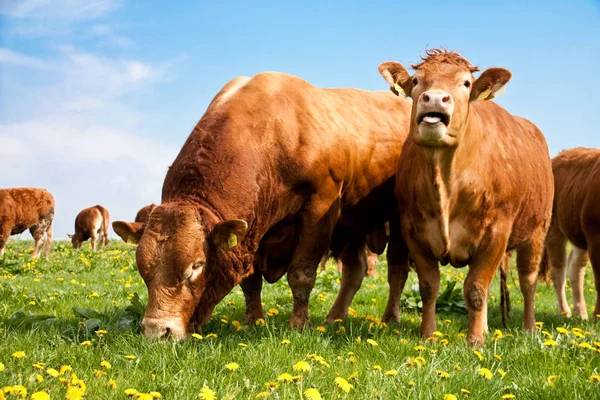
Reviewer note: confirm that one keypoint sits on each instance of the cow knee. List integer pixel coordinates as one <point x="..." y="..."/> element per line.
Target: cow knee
<point x="426" y="291"/>
<point x="475" y="297"/>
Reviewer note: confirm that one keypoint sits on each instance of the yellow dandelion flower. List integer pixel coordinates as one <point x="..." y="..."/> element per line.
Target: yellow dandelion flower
<point x="232" y="366"/>
<point x="262" y="395"/>
<point x="2" y="367"/>
<point x="465" y="391"/>
<point x="272" y="311"/>
<point x="237" y="325"/>
<point x="595" y="378"/>
<point x="285" y="341"/>
<point x="444" y="341"/>
<point x="75" y="392"/>
<point x="508" y="396"/>
<point x="39" y="378"/>
<point x="551" y="379"/>
<point x="211" y="336"/>
<point x="65" y="368"/>
<point x="457" y="367"/>
<point x="197" y="336"/>
<point x="112" y="384"/>
<point x="40" y="396"/>
<point x="372" y="342"/>
<point x="502" y="372"/>
<point x="207" y="393"/>
<point x="101" y="332"/>
<point x="450" y="396"/>
<point x="377" y="367"/>
<point x="343" y="384"/>
<point x="411" y="384"/>
<point x="486" y="373"/>
<point x="105" y="364"/>
<point x="259" y="322"/>
<point x="320" y="329"/>
<point x="271" y="385"/>
<point x="391" y="372"/>
<point x="243" y="345"/>
<point x="498" y="334"/>
<point x="97" y="372"/>
<point x="478" y="354"/>
<point x="86" y="343"/>
<point x="539" y="324"/>
<point x="312" y="394"/>
<point x="302" y="366"/>
<point x="19" y="354"/>
<point x="442" y="374"/>
<point x="584" y="345"/>
<point x="420" y="361"/>
<point x="438" y="334"/>
<point x="129" y="357"/>
<point x="285" y="377"/>
<point x="497" y="357"/>
<point x="130" y="392"/>
<point x="550" y="343"/>
<point x="52" y="372"/>
<point x="419" y="348"/>
<point x="144" y="396"/>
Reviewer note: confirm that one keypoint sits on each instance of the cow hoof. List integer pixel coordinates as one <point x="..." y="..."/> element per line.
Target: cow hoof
<point x="252" y="318"/>
<point x="391" y="318"/>
<point x="298" y="323"/>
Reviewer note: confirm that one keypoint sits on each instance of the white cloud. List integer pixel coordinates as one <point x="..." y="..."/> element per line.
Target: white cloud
<point x="71" y="10"/>
<point x="10" y="57"/>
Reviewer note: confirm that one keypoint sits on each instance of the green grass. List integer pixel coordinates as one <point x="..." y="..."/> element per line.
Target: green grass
<point x="37" y="317"/>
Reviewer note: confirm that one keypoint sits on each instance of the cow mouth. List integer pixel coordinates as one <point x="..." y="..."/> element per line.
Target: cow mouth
<point x="433" y="118"/>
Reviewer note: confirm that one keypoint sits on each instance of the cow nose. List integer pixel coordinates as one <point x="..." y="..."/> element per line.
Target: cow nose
<point x="163" y="328"/>
<point x="436" y="98"/>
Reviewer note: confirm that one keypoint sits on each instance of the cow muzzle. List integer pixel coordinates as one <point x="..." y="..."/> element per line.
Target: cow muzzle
<point x="434" y="112"/>
<point x="164" y="328"/>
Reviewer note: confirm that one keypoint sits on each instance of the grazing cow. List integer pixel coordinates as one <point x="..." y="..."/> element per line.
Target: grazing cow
<point x="276" y="172"/>
<point x="473" y="182"/>
<point x="576" y="218"/>
<point x="26" y="208"/>
<point x="123" y="228"/>
<point x="91" y="222"/>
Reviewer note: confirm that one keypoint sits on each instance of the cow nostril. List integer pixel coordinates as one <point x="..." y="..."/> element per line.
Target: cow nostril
<point x="167" y="333"/>
<point x="425" y="98"/>
<point x="445" y="99"/>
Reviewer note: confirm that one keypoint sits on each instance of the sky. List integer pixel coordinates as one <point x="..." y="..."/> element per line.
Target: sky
<point x="98" y="96"/>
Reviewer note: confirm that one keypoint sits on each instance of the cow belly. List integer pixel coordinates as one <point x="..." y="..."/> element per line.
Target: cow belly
<point x="17" y="229"/>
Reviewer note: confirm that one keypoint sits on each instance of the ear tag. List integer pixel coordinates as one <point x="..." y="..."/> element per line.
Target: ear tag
<point x="399" y="89"/>
<point x="484" y="95"/>
<point x="500" y="91"/>
<point x="232" y="241"/>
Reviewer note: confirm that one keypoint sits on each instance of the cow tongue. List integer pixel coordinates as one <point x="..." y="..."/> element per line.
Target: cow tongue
<point x="432" y="120"/>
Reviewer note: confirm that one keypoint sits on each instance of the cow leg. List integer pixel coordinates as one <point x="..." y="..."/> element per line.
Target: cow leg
<point x="353" y="272"/>
<point x="557" y="257"/>
<point x="252" y="286"/>
<point x="372" y="259"/>
<point x="93" y="237"/>
<point x="398" y="268"/>
<point x="482" y="269"/>
<point x="429" y="286"/>
<point x="48" y="241"/>
<point x="38" y="236"/>
<point x="4" y="235"/>
<point x="594" y="251"/>
<point x="529" y="256"/>
<point x="316" y="230"/>
<point x="578" y="260"/>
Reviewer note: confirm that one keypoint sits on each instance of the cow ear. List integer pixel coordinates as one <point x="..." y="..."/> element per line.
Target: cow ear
<point x="70" y="236"/>
<point x="491" y="83"/>
<point x="226" y="235"/>
<point x="397" y="76"/>
<point x="129" y="231"/>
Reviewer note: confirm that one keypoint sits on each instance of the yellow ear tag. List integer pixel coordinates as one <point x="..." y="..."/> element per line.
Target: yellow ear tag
<point x="399" y="89"/>
<point x="484" y="95"/>
<point x="232" y="241"/>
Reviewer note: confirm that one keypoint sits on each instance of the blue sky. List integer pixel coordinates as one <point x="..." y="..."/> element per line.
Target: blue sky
<point x="97" y="96"/>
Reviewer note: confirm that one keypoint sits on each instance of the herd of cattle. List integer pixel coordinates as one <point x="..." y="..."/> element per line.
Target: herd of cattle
<point x="279" y="173"/>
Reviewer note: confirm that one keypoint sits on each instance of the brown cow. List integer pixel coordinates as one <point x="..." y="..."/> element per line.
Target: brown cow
<point x="26" y="208"/>
<point x="576" y="218"/>
<point x="91" y="222"/>
<point x="123" y="229"/>
<point x="276" y="172"/>
<point x="473" y="181"/>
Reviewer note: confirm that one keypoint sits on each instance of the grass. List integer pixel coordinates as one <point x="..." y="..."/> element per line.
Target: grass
<point x="375" y="361"/>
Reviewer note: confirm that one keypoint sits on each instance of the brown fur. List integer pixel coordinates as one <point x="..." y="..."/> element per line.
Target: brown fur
<point x="480" y="190"/>
<point x="26" y="208"/>
<point x="576" y="218"/>
<point x="307" y="168"/>
<point x="91" y="223"/>
<point x="144" y="213"/>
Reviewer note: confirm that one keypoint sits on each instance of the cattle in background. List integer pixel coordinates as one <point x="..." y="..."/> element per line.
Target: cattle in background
<point x="123" y="229"/>
<point x="26" y="208"/>
<point x="276" y="172"/>
<point x="576" y="218"/>
<point x="473" y="181"/>
<point x="91" y="222"/>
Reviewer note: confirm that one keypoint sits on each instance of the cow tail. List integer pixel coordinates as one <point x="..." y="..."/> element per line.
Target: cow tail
<point x="504" y="292"/>
<point x="544" y="273"/>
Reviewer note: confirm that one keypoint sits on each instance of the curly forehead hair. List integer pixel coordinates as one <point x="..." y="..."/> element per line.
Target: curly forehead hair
<point x="434" y="57"/>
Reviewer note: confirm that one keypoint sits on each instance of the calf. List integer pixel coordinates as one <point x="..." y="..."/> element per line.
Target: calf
<point x="91" y="223"/>
<point x="26" y="208"/>
<point x="473" y="181"/>
<point x="576" y="218"/>
<point x="276" y="172"/>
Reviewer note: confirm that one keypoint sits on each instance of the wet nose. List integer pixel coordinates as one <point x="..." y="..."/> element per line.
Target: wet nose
<point x="436" y="99"/>
<point x="161" y="329"/>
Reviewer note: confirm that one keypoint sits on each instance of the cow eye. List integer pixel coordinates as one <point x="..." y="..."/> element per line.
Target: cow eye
<point x="467" y="83"/>
<point x="415" y="81"/>
<point x="198" y="265"/>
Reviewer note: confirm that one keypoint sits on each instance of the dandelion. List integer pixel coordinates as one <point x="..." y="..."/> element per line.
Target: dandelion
<point x="40" y="396"/>
<point x="285" y="377"/>
<point x="358" y="340"/>
<point x="271" y="385"/>
<point x="497" y="357"/>
<point x="52" y="372"/>
<point x="272" y="311"/>
<point x="262" y="395"/>
<point x="550" y="343"/>
<point x="129" y="357"/>
<point x="465" y="391"/>
<point x="547" y="334"/>
<point x="236" y="325"/>
<point x="39" y="378"/>
<point x="508" y="396"/>
<point x="502" y="372"/>
<point x="232" y="366"/>
<point x="64" y="369"/>
<point x="372" y="342"/>
<point x="86" y="343"/>
<point x="2" y="368"/>
<point x="259" y="322"/>
<point x="302" y="366"/>
<point x="131" y="392"/>
<point x="211" y="336"/>
<point x="207" y="394"/>
<point x="444" y="341"/>
<point x="19" y="354"/>
<point x="419" y="348"/>
<point x="486" y="373"/>
<point x="243" y="345"/>
<point x="343" y="384"/>
<point x="285" y="341"/>
<point x="584" y="345"/>
<point x="550" y="380"/>
<point x="595" y="378"/>
<point x="377" y="367"/>
<point x="442" y="374"/>
<point x="101" y="332"/>
<point x="97" y="372"/>
<point x="498" y="334"/>
<point x="197" y="336"/>
<point x="450" y="397"/>
<point x="478" y="354"/>
<point x="320" y="329"/>
<point x="312" y="394"/>
<point x="457" y="367"/>
<point x="391" y="372"/>
<point x="105" y="364"/>
<point x="411" y="384"/>
<point x="112" y="384"/>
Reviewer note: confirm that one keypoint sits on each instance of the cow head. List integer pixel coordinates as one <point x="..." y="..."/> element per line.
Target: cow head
<point x="75" y="240"/>
<point x="442" y="88"/>
<point x="181" y="263"/>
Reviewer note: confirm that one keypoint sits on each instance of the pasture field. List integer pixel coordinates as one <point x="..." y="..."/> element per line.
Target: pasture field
<point x="69" y="327"/>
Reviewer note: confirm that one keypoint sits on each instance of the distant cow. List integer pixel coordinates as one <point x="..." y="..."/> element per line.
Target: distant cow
<point x="473" y="181"/>
<point x="276" y="172"/>
<point x="26" y="208"/>
<point x="576" y="218"/>
<point x="91" y="223"/>
<point x="123" y="229"/>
